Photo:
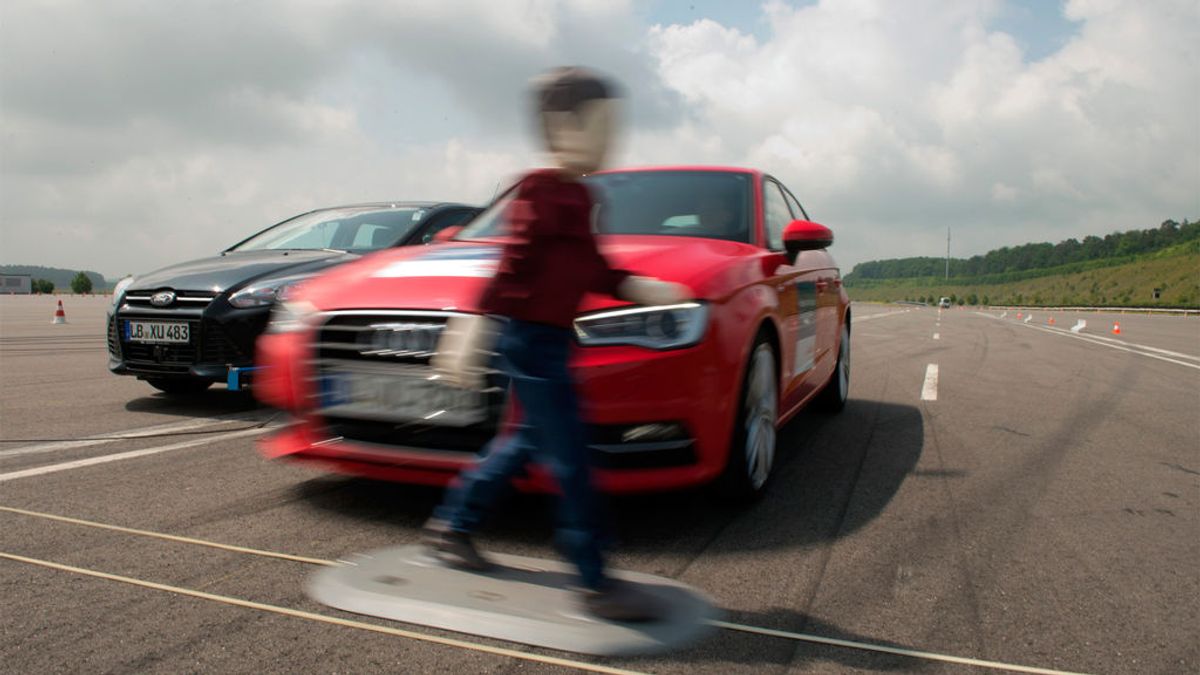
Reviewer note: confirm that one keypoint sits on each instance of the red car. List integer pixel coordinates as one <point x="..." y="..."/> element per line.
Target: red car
<point x="675" y="396"/>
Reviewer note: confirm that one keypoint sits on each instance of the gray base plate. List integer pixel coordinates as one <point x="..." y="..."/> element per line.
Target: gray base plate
<point x="524" y="600"/>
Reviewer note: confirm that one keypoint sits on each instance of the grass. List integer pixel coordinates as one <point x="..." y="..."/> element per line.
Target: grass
<point x="1174" y="271"/>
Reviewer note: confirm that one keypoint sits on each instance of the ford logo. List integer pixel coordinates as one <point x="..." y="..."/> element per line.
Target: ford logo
<point x="162" y="298"/>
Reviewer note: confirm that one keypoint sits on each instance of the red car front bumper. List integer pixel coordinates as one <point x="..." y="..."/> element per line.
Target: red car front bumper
<point x="623" y="389"/>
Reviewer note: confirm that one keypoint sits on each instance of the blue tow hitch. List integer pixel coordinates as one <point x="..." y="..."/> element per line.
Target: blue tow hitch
<point x="239" y="379"/>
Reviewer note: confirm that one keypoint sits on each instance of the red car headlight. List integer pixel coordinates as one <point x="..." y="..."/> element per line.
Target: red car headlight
<point x="663" y="327"/>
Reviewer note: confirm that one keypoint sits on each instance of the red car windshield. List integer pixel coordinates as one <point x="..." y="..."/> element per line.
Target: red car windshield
<point x="710" y="204"/>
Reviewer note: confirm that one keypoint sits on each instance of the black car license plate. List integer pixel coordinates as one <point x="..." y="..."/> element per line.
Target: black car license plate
<point x="157" y="332"/>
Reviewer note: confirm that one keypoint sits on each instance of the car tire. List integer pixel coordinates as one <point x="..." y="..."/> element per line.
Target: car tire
<point x="177" y="385"/>
<point x="752" y="449"/>
<point x="832" y="398"/>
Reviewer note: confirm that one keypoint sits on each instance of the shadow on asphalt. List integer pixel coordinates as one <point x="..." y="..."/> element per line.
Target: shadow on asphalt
<point x="215" y="401"/>
<point x="833" y="476"/>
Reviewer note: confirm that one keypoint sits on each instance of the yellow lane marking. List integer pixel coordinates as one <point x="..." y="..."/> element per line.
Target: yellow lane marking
<point x="321" y="618"/>
<point x="799" y="637"/>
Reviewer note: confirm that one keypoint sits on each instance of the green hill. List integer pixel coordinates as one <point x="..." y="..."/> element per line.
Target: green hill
<point x="1121" y="269"/>
<point x="1123" y="282"/>
<point x="61" y="278"/>
<point x="1029" y="260"/>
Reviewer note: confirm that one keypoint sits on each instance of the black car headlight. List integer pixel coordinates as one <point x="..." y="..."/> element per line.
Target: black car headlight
<point x="265" y="294"/>
<point x="663" y="327"/>
<point x="119" y="290"/>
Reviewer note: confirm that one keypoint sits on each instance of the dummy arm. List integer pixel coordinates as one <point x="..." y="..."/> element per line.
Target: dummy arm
<point x="647" y="291"/>
<point x="464" y="350"/>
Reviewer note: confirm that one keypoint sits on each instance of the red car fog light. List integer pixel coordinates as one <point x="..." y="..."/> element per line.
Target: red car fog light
<point x="658" y="431"/>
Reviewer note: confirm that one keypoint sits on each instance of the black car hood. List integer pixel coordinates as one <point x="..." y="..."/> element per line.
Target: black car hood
<point x="232" y="270"/>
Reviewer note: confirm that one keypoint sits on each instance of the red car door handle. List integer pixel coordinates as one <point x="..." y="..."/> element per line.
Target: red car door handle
<point x="822" y="285"/>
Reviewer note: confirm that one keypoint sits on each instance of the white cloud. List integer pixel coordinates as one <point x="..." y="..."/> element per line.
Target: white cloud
<point x="135" y="134"/>
<point x="906" y="118"/>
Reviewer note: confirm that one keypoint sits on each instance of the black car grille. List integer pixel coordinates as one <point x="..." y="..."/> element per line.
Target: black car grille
<point x="162" y="358"/>
<point x="452" y="439"/>
<point x="114" y="342"/>
<point x="217" y="347"/>
<point x="196" y="300"/>
<point x="208" y="343"/>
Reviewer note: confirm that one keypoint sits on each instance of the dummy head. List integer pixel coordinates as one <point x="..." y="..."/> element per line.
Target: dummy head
<point x="577" y="112"/>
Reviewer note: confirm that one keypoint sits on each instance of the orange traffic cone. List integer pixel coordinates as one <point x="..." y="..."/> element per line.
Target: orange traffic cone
<point x="59" y="315"/>
<point x="1018" y="315"/>
<point x="1116" y="328"/>
<point x="1051" y="321"/>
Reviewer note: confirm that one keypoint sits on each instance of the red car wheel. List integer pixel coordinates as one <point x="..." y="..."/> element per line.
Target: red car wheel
<point x="752" y="450"/>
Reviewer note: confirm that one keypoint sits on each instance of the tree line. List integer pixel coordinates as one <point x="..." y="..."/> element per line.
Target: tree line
<point x="57" y="277"/>
<point x="80" y="284"/>
<point x="1011" y="259"/>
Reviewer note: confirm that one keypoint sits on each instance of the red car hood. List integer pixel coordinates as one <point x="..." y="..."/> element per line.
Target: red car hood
<point x="452" y="275"/>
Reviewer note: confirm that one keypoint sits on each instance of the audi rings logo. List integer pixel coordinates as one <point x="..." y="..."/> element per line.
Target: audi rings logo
<point x="400" y="339"/>
<point x="162" y="298"/>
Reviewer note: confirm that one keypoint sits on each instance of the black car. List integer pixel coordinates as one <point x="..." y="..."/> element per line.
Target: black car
<point x="184" y="327"/>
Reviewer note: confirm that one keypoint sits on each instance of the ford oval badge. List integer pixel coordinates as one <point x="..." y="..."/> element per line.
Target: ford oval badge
<point x="162" y="298"/>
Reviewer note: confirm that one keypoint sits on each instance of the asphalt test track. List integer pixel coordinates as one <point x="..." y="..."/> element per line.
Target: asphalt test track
<point x="1040" y="511"/>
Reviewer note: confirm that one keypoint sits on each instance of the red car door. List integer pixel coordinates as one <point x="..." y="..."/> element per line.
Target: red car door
<point x="798" y="287"/>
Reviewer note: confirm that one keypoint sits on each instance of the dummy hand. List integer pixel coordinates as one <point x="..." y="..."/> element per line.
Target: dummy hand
<point x="646" y="291"/>
<point x="464" y="349"/>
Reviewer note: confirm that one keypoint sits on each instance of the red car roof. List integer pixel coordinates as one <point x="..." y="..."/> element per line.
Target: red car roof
<point x="683" y="167"/>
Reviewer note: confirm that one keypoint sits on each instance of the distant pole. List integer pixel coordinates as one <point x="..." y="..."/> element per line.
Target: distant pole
<point x="947" y="251"/>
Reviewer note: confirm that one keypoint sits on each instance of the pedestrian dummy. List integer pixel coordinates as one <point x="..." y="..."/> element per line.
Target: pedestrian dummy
<point x="549" y="262"/>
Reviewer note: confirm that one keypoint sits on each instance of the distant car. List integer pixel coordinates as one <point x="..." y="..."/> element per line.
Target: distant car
<point x="184" y="327"/>
<point x="944" y="303"/>
<point x="674" y="396"/>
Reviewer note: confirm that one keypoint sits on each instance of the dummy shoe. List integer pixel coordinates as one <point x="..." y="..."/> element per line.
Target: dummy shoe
<point x="646" y="291"/>
<point x="622" y="601"/>
<point x="464" y="349"/>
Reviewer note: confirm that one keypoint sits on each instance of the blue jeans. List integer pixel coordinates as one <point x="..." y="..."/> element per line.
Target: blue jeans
<point x="551" y="433"/>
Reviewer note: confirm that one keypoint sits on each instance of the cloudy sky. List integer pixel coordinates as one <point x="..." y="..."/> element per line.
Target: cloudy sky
<point x="136" y="134"/>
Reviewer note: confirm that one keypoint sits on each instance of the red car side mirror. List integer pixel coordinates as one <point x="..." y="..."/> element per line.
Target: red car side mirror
<point x="446" y="234"/>
<point x="805" y="235"/>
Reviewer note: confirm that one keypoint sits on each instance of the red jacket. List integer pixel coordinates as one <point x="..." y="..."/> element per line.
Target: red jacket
<point x="551" y="259"/>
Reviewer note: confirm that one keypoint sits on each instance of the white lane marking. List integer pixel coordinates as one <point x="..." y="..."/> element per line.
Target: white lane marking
<point x="929" y="656"/>
<point x="859" y="319"/>
<point x="1121" y="346"/>
<point x="929" y="390"/>
<point x="104" y="459"/>
<point x="937" y="336"/>
<point x="116" y="436"/>
<point x="1028" y="318"/>
<point x="771" y="632"/>
<point x="1126" y="343"/>
<point x="1080" y="325"/>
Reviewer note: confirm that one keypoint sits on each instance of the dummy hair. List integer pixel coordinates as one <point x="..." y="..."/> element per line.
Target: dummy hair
<point x="567" y="88"/>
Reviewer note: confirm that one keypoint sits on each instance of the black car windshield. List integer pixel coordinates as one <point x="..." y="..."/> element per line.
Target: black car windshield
<point x="349" y="229"/>
<point x="711" y="204"/>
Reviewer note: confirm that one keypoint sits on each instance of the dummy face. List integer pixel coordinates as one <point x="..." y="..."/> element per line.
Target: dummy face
<point x="579" y="139"/>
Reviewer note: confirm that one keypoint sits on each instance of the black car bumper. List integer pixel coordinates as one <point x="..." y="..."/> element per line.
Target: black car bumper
<point x="221" y="338"/>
